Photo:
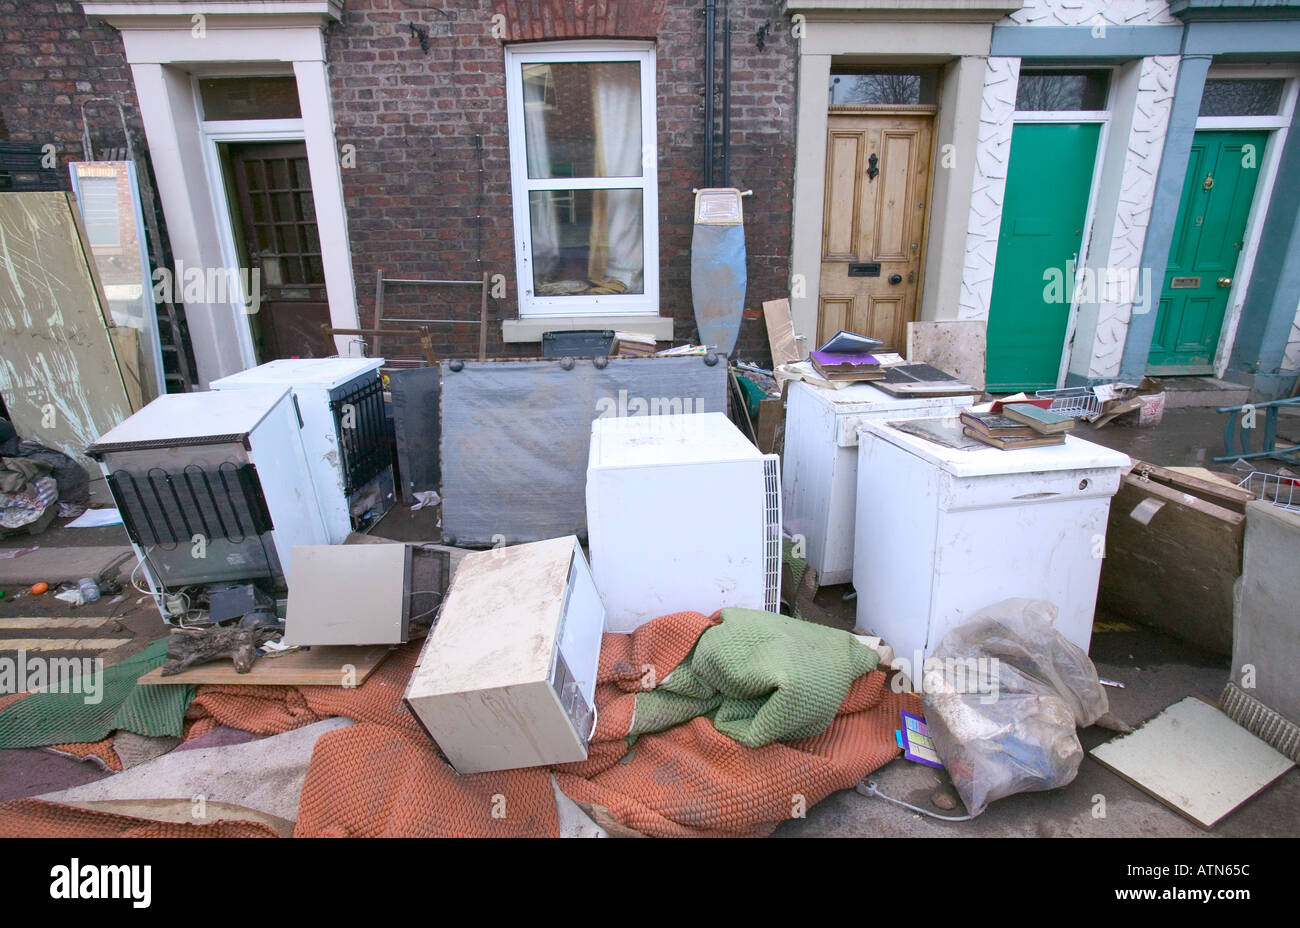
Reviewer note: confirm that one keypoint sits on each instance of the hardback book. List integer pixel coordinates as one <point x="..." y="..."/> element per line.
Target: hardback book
<point x="843" y="342"/>
<point x="1043" y="421"/>
<point x="998" y="426"/>
<point x="1011" y="444"/>
<point x="852" y="367"/>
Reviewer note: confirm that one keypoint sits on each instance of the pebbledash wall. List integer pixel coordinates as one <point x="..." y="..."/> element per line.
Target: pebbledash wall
<point x="413" y="93"/>
<point x="1161" y="56"/>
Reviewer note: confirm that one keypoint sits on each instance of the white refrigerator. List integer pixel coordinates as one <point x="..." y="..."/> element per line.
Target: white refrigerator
<point x="683" y="514"/>
<point x="943" y="532"/>
<point x="820" y="465"/>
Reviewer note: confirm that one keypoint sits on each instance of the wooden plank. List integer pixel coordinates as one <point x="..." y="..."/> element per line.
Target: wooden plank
<point x="27" y="622"/>
<point x="1215" y="490"/>
<point x="780" y="332"/>
<point x="323" y="666"/>
<point x="62" y="644"/>
<point x="1171" y="562"/>
<point x="1195" y="760"/>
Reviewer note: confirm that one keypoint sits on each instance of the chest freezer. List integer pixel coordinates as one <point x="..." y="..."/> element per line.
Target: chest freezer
<point x="344" y="432"/>
<point x="819" y="480"/>
<point x="683" y="514"/>
<point x="942" y="533"/>
<point x="212" y="487"/>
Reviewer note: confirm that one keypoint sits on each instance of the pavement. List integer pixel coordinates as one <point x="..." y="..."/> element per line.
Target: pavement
<point x="1156" y="670"/>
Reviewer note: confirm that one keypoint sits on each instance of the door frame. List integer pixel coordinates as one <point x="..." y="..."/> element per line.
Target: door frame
<point x="1098" y="117"/>
<point x="901" y="109"/>
<point x="1277" y="127"/>
<point x="213" y="134"/>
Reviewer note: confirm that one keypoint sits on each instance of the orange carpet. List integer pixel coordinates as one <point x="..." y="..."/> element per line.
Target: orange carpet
<point x="383" y="777"/>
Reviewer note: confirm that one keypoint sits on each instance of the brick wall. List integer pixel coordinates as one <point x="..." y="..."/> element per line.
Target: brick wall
<point x="54" y="60"/>
<point x="421" y="94"/>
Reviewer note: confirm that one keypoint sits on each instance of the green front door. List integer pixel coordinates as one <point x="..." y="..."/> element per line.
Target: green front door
<point x="1208" y="238"/>
<point x="1043" y="214"/>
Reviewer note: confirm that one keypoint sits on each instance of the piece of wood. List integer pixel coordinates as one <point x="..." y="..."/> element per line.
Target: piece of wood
<point x="325" y="666"/>
<point x="780" y="332"/>
<point x="126" y="344"/>
<point x="62" y="644"/>
<point x="1172" y="560"/>
<point x="1195" y="760"/>
<point x="1214" y="490"/>
<point x="59" y="371"/>
<point x="29" y="622"/>
<point x="189" y="647"/>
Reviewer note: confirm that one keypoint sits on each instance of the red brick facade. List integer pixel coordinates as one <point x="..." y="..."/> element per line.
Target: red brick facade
<point x="420" y="93"/>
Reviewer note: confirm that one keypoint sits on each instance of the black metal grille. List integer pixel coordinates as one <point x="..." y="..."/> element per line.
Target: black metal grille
<point x="168" y="509"/>
<point x="359" y="421"/>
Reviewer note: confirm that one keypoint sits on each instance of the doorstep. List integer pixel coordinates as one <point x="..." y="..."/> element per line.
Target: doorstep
<point x="1184" y="392"/>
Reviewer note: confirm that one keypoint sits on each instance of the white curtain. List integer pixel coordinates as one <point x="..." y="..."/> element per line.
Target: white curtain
<point x="616" y="220"/>
<point x="546" y="230"/>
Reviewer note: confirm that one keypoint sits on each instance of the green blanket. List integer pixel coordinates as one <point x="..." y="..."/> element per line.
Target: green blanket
<point x="760" y="677"/>
<point x="73" y="717"/>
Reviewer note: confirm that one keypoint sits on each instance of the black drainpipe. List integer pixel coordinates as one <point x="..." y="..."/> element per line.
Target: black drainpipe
<point x="710" y="7"/>
<point x="726" y="94"/>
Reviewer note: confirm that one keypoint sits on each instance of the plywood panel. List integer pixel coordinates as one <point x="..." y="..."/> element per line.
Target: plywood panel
<point x="323" y="666"/>
<point x="1195" y="760"/>
<point x="58" y="368"/>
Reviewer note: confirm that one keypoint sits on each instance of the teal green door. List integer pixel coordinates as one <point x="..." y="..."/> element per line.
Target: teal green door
<point x="1043" y="214"/>
<point x="1208" y="237"/>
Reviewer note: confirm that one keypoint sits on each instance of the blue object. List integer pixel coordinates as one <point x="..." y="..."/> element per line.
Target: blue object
<point x="718" y="283"/>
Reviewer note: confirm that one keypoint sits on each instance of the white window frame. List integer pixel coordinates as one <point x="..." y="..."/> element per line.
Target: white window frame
<point x="521" y="185"/>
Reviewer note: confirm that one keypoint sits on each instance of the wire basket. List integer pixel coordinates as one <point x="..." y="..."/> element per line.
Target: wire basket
<point x="1077" y="402"/>
<point x="1283" y="492"/>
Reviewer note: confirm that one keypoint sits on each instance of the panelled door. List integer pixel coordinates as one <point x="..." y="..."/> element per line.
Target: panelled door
<point x="1208" y="237"/>
<point x="873" y="223"/>
<point x="1044" y="210"/>
<point x="277" y="222"/>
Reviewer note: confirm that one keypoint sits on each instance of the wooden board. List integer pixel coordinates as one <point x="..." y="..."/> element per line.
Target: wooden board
<point x="58" y="367"/>
<point x="1213" y="488"/>
<point x="1195" y="760"/>
<point x="780" y="332"/>
<point x="323" y="666"/>
<point x="1171" y="561"/>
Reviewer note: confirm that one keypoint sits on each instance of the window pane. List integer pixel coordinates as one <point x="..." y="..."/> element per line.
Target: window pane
<point x="583" y="119"/>
<point x="587" y="241"/>
<point x="250" y="98"/>
<point x="878" y="88"/>
<point x="1041" y="91"/>
<point x="99" y="211"/>
<point x="1251" y="97"/>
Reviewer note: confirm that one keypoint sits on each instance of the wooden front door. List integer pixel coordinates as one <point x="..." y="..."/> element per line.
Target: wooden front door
<point x="873" y="223"/>
<point x="1210" y="232"/>
<point x="277" y="225"/>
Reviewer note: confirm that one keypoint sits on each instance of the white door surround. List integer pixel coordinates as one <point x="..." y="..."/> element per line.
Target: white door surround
<point x="167" y="44"/>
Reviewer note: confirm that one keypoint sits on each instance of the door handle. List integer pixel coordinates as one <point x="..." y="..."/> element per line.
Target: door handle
<point x="895" y="278"/>
<point x="1225" y="281"/>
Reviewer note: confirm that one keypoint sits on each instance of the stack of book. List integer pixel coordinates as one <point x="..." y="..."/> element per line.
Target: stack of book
<point x="843" y="366"/>
<point x="1018" y="425"/>
<point x="633" y="345"/>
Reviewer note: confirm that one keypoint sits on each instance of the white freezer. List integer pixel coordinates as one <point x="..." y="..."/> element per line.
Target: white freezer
<point x="318" y="385"/>
<point x="683" y="514"/>
<point x="820" y="463"/>
<point x="942" y="533"/>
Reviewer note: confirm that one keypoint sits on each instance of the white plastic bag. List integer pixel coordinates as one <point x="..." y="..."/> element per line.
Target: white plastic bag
<point x="1003" y="694"/>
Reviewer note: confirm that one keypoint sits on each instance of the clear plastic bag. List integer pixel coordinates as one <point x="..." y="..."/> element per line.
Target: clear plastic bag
<point x="1003" y="695"/>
